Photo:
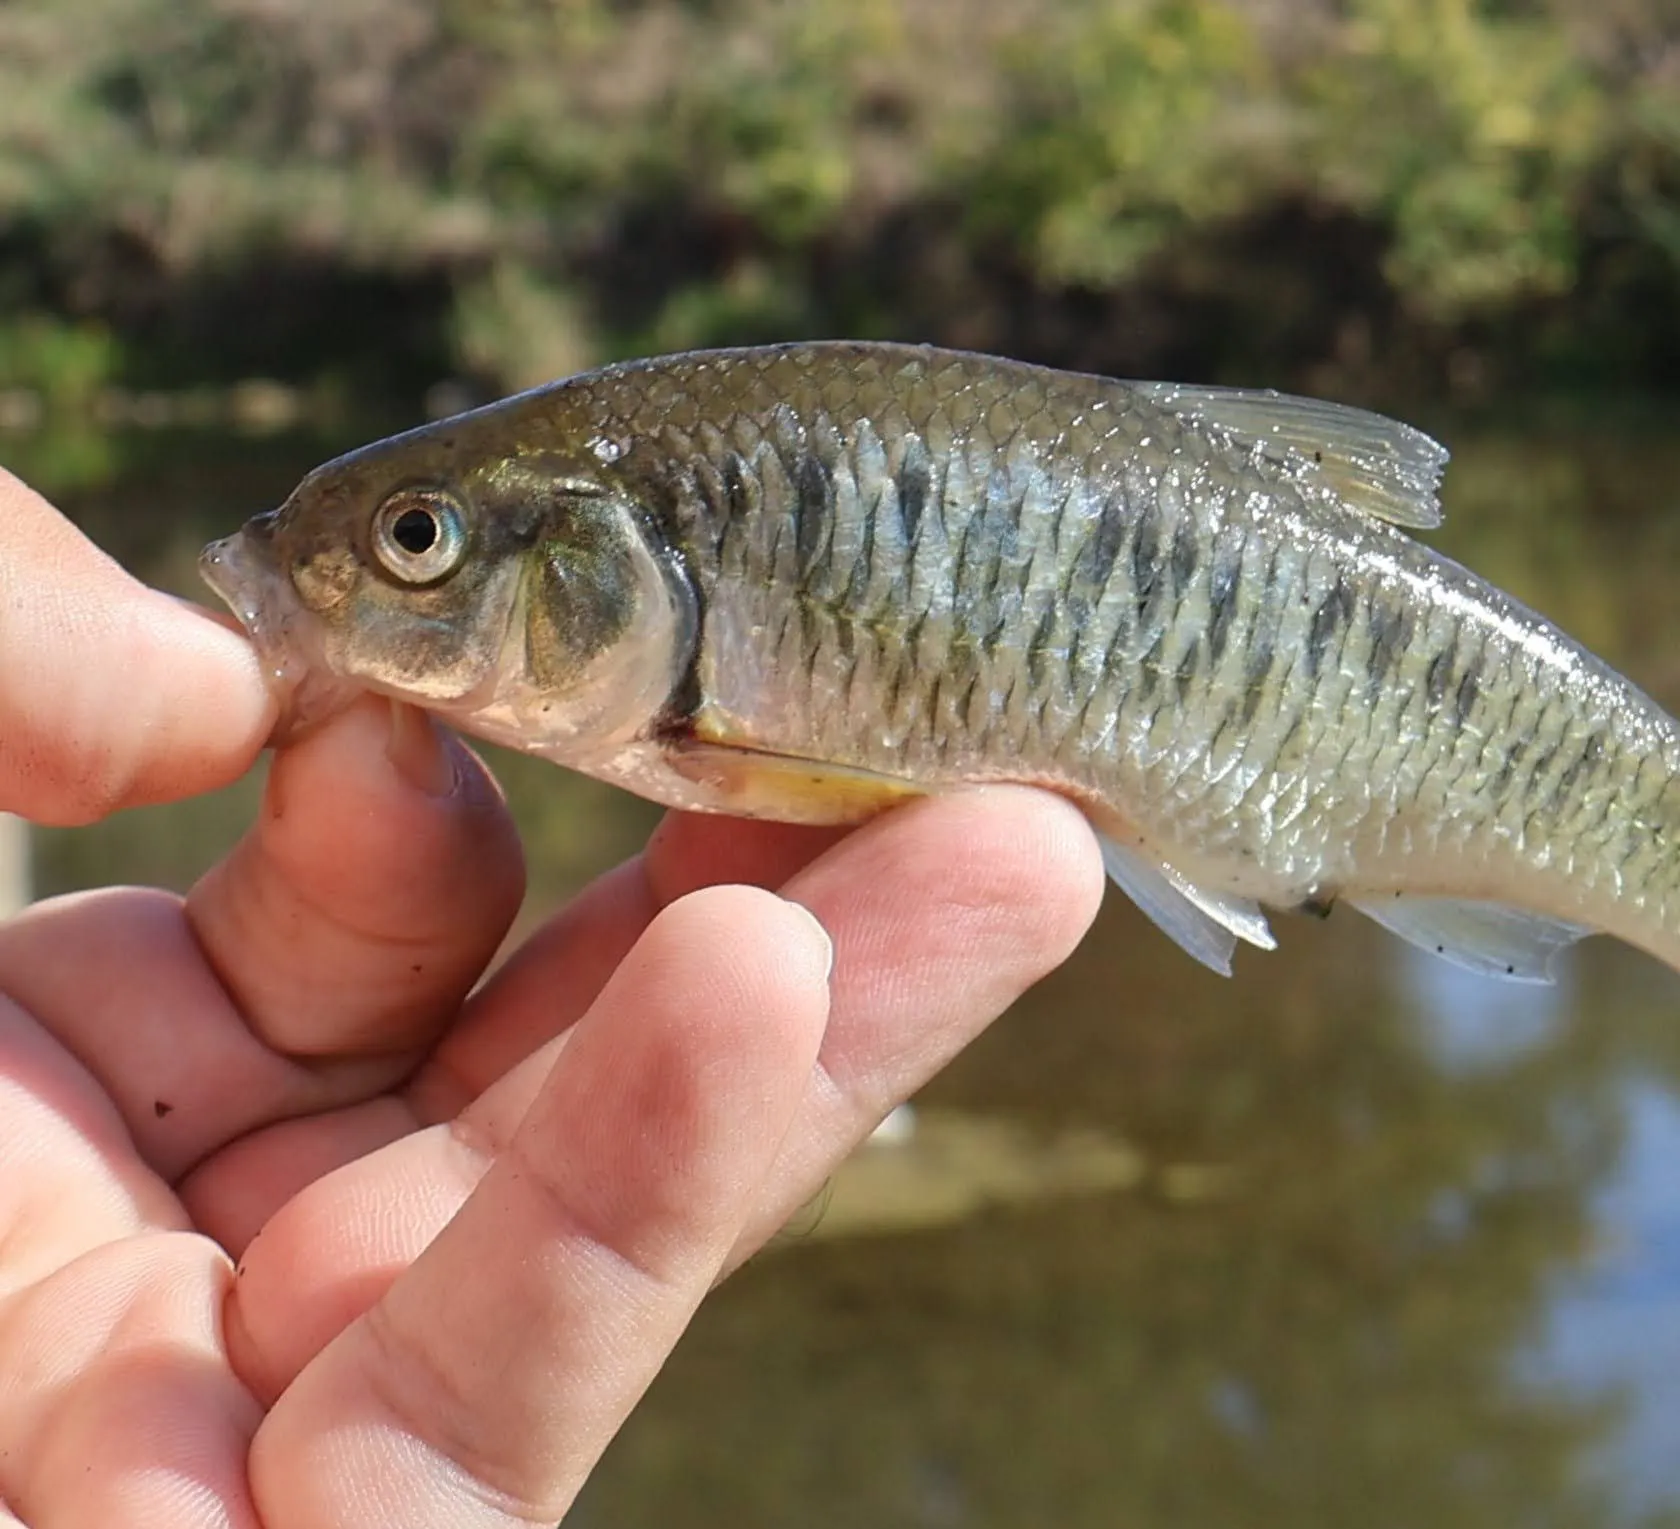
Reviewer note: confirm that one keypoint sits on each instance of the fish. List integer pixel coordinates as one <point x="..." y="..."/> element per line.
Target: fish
<point x="809" y="582"/>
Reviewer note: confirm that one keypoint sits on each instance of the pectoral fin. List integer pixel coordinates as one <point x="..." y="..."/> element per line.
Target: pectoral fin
<point x="1489" y="938"/>
<point x="1205" y="924"/>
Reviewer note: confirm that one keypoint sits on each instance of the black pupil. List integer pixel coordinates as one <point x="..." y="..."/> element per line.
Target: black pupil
<point x="415" y="531"/>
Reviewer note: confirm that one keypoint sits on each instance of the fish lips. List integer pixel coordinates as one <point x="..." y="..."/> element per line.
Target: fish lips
<point x="242" y="569"/>
<point x="245" y="572"/>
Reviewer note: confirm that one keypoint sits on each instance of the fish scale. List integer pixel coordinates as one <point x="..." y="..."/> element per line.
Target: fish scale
<point x="806" y="581"/>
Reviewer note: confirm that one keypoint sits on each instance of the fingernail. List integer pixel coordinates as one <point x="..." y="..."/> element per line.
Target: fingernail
<point x="822" y="934"/>
<point x="420" y="754"/>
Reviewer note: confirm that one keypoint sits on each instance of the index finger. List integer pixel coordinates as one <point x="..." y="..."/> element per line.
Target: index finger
<point x="112" y="694"/>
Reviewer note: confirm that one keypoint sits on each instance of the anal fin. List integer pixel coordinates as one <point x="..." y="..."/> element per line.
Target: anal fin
<point x="1490" y="938"/>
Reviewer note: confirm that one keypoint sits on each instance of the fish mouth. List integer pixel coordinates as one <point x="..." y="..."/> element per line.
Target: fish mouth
<point x="244" y="570"/>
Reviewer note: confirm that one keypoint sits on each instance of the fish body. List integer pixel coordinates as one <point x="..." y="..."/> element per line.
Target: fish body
<point x="805" y="582"/>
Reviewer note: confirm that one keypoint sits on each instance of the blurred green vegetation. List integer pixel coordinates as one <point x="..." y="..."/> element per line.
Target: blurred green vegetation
<point x="1385" y="197"/>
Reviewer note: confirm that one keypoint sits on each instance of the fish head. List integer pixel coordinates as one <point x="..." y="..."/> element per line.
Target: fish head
<point x="516" y="592"/>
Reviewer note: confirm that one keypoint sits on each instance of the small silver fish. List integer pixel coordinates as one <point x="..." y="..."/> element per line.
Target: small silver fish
<point x="808" y="581"/>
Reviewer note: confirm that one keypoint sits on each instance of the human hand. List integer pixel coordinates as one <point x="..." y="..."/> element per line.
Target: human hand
<point x="469" y="1228"/>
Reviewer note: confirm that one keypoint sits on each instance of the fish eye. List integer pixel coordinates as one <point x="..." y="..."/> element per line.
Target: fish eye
<point x="420" y="535"/>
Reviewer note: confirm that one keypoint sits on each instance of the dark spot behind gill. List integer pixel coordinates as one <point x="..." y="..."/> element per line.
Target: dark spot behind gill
<point x="1186" y="672"/>
<point x="1039" y="650"/>
<point x="738" y="498"/>
<point x="1590" y="753"/>
<point x="1464" y="698"/>
<point x="1508" y="766"/>
<point x="687" y="695"/>
<point x="1186" y="553"/>
<point x="1149" y="670"/>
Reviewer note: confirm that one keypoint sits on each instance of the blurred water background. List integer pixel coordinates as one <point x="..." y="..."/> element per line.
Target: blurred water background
<point x="1353" y="1239"/>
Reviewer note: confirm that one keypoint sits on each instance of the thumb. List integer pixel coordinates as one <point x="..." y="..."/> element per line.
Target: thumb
<point x="111" y="694"/>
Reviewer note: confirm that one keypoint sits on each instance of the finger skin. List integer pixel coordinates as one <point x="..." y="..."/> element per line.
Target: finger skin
<point x="237" y="1193"/>
<point x="556" y="974"/>
<point x="113" y="694"/>
<point x="542" y="990"/>
<point x="933" y="870"/>
<point x="483" y="1387"/>
<point x="301" y="974"/>
<point x="69" y="1182"/>
<point x="940" y="916"/>
<point x="943" y="931"/>
<point x="117" y="1405"/>
<point x="117" y="978"/>
<point x="382" y="875"/>
<point x="690" y="850"/>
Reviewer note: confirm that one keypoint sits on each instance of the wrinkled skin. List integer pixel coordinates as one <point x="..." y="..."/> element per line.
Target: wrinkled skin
<point x="468" y="1229"/>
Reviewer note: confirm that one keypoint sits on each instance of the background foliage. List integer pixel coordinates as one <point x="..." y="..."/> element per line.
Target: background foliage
<point x="1375" y="195"/>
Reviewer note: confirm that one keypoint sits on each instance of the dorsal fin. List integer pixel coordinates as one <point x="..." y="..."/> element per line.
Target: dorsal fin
<point x="1368" y="461"/>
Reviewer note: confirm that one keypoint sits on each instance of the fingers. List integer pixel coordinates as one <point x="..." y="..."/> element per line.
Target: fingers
<point x="909" y="900"/>
<point x="69" y="1182"/>
<point x="555" y="975"/>
<point x="117" y="1405"/>
<point x="940" y="915"/>
<point x="483" y="1387"/>
<point x="346" y="927"/>
<point x="379" y="880"/>
<point x="113" y="694"/>
<point x="540" y="992"/>
<point x="695" y="849"/>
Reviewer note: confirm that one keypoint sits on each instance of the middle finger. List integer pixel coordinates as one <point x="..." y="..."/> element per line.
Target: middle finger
<point x="939" y="918"/>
